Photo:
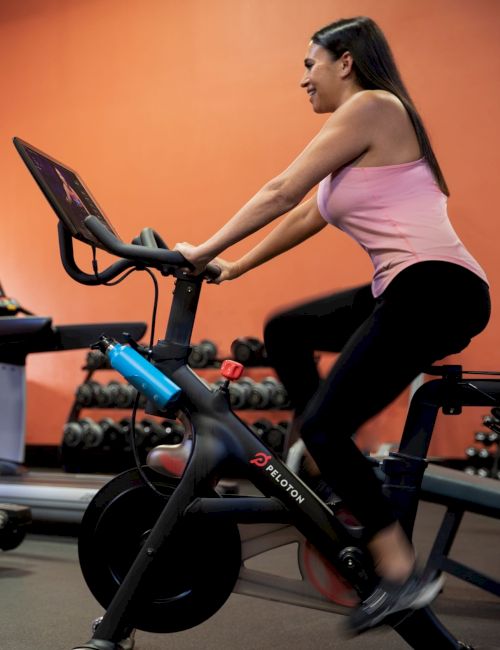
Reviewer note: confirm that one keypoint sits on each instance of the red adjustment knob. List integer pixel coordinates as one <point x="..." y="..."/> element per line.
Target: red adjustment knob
<point x="231" y="370"/>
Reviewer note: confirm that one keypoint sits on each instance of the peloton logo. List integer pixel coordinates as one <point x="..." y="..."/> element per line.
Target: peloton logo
<point x="262" y="460"/>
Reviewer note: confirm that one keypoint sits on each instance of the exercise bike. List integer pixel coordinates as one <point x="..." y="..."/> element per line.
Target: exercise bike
<point x="163" y="554"/>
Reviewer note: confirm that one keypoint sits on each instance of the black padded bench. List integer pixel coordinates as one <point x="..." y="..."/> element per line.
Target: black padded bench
<point x="460" y="493"/>
<point x="20" y="337"/>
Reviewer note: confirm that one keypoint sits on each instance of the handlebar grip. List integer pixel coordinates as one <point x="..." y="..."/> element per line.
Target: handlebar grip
<point x="151" y="239"/>
<point x="212" y="272"/>
<point x="141" y="253"/>
<point x="132" y="252"/>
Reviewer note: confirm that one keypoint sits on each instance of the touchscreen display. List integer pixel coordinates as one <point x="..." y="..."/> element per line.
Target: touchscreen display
<point x="65" y="191"/>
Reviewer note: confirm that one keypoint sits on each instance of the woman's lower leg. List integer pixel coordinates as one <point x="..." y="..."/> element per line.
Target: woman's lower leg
<point x="393" y="555"/>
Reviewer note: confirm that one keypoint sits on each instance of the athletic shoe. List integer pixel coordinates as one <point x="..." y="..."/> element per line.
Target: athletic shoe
<point x="390" y="598"/>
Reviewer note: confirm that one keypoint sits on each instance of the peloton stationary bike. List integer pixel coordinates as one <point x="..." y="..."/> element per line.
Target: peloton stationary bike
<point x="163" y="554"/>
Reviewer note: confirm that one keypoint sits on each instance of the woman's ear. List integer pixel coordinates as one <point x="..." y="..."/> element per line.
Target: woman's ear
<point x="346" y="63"/>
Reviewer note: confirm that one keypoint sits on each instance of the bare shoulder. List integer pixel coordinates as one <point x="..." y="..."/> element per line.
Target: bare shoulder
<point x="377" y="102"/>
<point x="388" y="127"/>
<point x="370" y="107"/>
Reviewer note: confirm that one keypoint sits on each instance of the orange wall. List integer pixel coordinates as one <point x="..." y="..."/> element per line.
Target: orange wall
<point x="176" y="112"/>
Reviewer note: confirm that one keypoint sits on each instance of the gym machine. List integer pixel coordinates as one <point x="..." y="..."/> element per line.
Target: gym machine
<point x="162" y="553"/>
<point x="51" y="496"/>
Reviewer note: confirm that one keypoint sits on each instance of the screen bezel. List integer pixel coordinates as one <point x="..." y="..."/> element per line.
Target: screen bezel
<point x="82" y="234"/>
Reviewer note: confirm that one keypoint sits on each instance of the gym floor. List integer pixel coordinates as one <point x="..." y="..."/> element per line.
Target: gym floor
<point x="45" y="605"/>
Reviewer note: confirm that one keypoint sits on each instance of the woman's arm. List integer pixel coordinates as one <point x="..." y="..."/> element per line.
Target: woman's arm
<point x="347" y="134"/>
<point x="302" y="222"/>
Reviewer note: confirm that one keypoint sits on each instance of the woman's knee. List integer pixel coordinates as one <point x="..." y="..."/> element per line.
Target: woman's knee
<point x="325" y="424"/>
<point x="279" y="331"/>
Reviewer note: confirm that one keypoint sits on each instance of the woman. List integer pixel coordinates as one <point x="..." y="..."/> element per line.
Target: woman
<point x="380" y="182"/>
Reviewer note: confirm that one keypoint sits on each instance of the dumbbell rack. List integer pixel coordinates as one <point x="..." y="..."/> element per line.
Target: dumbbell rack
<point x="90" y="447"/>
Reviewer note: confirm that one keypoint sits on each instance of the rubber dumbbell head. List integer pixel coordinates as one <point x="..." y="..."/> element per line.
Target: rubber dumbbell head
<point x="72" y="435"/>
<point x="86" y="393"/>
<point x="249" y="351"/>
<point x="92" y="433"/>
<point x="240" y="391"/>
<point x="203" y="354"/>
<point x="278" y="395"/>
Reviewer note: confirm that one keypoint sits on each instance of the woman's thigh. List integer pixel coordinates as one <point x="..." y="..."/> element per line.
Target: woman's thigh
<point x="323" y="324"/>
<point x="422" y="320"/>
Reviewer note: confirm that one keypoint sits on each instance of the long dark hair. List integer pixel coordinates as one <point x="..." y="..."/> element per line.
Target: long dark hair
<point x="375" y="68"/>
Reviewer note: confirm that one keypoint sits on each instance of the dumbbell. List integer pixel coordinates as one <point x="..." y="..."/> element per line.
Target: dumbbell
<point x="72" y="456"/>
<point x="485" y="455"/>
<point x="203" y="354"/>
<point x="492" y="422"/>
<point x="487" y="439"/>
<point x="174" y="432"/>
<point x="240" y="391"/>
<point x="79" y="438"/>
<point x="478" y="457"/>
<point x="269" y="393"/>
<point x="92" y="433"/>
<point x="261" y="427"/>
<point x="492" y="439"/>
<point x="72" y="435"/>
<point x="140" y="437"/>
<point x="495" y="412"/>
<point x="279" y="396"/>
<point x="154" y="433"/>
<point x="249" y="351"/>
<point x="471" y="452"/>
<point x="481" y="436"/>
<point x="260" y="396"/>
<point x="105" y="396"/>
<point x="96" y="360"/>
<point x="125" y="396"/>
<point x="112" y="435"/>
<point x="84" y="433"/>
<point x="86" y="393"/>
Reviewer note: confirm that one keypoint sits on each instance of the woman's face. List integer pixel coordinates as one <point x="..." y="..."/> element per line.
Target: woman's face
<point x="322" y="79"/>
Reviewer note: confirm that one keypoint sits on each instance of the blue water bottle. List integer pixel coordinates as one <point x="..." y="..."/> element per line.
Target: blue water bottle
<point x="141" y="373"/>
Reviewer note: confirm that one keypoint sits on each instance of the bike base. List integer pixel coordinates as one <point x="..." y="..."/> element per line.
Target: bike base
<point x="99" y="644"/>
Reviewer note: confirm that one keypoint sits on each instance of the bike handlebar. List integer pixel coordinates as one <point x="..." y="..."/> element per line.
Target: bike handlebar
<point x="148" y="249"/>
<point x="146" y="254"/>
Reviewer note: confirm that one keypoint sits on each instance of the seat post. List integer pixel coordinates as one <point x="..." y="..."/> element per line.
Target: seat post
<point x="183" y="311"/>
<point x="404" y="470"/>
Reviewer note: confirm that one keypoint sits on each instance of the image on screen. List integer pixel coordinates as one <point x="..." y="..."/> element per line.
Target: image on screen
<point x="71" y="198"/>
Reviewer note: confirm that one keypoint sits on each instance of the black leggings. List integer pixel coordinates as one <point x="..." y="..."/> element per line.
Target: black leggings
<point x="429" y="311"/>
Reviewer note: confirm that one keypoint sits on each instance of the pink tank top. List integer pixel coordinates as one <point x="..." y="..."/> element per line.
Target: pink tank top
<point x="397" y="213"/>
